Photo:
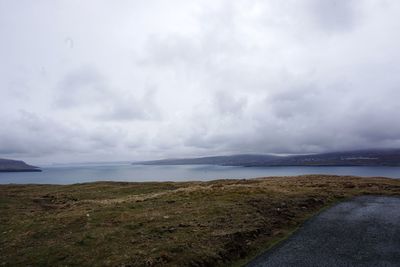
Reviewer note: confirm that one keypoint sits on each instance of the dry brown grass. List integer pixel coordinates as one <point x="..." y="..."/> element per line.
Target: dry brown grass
<point x="212" y="223"/>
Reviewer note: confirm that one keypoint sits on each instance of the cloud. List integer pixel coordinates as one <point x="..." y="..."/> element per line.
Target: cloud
<point x="32" y="135"/>
<point x="334" y="15"/>
<point x="197" y="78"/>
<point x="127" y="108"/>
<point x="227" y="104"/>
<point x="88" y="92"/>
<point x="80" y="87"/>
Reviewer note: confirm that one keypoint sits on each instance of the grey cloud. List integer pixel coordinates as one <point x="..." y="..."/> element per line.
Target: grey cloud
<point x="228" y="104"/>
<point x="106" y="137"/>
<point x="209" y="77"/>
<point x="299" y="101"/>
<point x="127" y="107"/>
<point x="80" y="87"/>
<point x="334" y="15"/>
<point x="88" y="90"/>
<point x="297" y="114"/>
<point x="29" y="134"/>
<point x="32" y="136"/>
<point x="172" y="49"/>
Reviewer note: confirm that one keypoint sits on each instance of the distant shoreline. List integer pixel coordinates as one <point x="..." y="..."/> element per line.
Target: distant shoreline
<point x="32" y="170"/>
<point x="373" y="157"/>
<point x="263" y="166"/>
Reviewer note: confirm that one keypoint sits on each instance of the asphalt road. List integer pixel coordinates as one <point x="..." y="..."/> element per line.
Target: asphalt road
<point x="364" y="231"/>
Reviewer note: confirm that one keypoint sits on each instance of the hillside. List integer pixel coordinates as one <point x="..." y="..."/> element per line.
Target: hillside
<point x="377" y="157"/>
<point x="9" y="165"/>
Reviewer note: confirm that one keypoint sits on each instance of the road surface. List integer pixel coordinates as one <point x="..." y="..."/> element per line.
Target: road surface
<point x="364" y="231"/>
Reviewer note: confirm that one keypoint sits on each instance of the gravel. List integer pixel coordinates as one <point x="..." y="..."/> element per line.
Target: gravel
<point x="364" y="231"/>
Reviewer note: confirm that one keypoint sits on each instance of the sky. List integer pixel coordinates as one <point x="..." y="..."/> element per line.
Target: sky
<point x="99" y="80"/>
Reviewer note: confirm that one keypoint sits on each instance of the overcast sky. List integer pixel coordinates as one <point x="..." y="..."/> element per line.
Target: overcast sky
<point x="130" y="80"/>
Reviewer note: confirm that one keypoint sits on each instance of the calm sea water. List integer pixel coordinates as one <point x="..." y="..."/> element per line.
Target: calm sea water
<point x="142" y="173"/>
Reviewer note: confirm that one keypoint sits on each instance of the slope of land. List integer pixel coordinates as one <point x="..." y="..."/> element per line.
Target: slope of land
<point x="216" y="223"/>
<point x="377" y="157"/>
<point x="9" y="165"/>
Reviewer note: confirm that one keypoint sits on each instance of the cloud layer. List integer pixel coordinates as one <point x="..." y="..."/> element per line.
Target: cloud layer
<point x="130" y="80"/>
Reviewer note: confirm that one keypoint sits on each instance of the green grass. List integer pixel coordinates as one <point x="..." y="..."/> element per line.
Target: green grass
<point x="217" y="223"/>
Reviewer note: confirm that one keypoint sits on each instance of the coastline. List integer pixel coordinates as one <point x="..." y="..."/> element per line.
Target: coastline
<point x="15" y="170"/>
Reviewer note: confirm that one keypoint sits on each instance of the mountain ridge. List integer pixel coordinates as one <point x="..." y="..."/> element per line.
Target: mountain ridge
<point x="371" y="157"/>
<point x="10" y="165"/>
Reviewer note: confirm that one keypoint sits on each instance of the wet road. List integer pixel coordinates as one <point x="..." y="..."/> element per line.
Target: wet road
<point x="364" y="231"/>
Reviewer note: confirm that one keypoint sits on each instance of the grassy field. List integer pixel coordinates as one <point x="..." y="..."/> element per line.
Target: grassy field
<point x="217" y="223"/>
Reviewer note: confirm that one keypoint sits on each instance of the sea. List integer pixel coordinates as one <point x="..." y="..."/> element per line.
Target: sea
<point x="84" y="173"/>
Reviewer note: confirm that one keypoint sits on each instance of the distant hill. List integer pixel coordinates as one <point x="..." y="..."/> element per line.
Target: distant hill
<point x="373" y="157"/>
<point x="9" y="165"/>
